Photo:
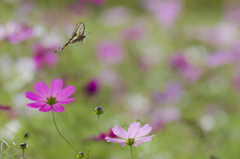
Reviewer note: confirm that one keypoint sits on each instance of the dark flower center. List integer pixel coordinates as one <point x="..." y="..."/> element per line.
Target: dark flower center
<point x="51" y="100"/>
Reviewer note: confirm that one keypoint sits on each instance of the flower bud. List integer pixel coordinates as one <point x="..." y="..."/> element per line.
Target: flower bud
<point x="81" y="155"/>
<point x="23" y="145"/>
<point x="98" y="111"/>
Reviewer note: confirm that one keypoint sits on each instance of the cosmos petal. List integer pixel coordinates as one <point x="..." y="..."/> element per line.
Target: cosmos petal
<point x="58" y="108"/>
<point x="66" y="92"/>
<point x="55" y="87"/>
<point x="144" y="139"/>
<point x="41" y="88"/>
<point x="144" y="131"/>
<point x="35" y="96"/>
<point x="65" y="100"/>
<point x="121" y="141"/>
<point x="136" y="143"/>
<point x="36" y="104"/>
<point x="45" y="108"/>
<point x="120" y="132"/>
<point x="133" y="129"/>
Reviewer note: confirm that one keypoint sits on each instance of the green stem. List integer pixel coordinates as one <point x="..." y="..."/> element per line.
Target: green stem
<point x="131" y="151"/>
<point x="92" y="136"/>
<point x="59" y="131"/>
<point x="23" y="153"/>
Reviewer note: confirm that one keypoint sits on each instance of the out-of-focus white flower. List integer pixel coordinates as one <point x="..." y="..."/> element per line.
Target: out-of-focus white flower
<point x="115" y="16"/>
<point x="17" y="74"/>
<point x="10" y="130"/>
<point x="207" y="122"/>
<point x="138" y="104"/>
<point x="20" y="102"/>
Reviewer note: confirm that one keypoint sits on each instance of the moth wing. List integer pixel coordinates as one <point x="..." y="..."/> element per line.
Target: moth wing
<point x="79" y="29"/>
<point x="76" y="28"/>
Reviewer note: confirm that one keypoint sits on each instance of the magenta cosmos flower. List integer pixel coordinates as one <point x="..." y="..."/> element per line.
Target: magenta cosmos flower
<point x="134" y="136"/>
<point x="55" y="96"/>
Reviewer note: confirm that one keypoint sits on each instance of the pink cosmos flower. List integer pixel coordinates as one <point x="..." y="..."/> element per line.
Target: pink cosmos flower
<point x="134" y="136"/>
<point x="54" y="97"/>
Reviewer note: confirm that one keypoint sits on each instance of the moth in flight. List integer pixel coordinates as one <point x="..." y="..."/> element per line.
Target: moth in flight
<point x="77" y="35"/>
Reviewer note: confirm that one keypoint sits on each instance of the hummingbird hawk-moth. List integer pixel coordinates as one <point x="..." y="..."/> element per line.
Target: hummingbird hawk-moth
<point x="77" y="35"/>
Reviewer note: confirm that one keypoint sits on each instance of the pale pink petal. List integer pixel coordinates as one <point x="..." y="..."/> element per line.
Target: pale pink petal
<point x="136" y="143"/>
<point x="45" y="108"/>
<point x="56" y="87"/>
<point x="36" y="104"/>
<point x="66" y="92"/>
<point x="58" y="108"/>
<point x="35" y="96"/>
<point x="144" y="131"/>
<point x="41" y="88"/>
<point x="121" y="141"/>
<point x="133" y="129"/>
<point x="144" y="139"/>
<point x="120" y="132"/>
<point x="65" y="100"/>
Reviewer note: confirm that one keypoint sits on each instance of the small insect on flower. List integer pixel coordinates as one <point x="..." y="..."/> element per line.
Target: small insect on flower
<point x="77" y="35"/>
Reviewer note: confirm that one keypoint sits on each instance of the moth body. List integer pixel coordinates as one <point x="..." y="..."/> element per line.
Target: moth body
<point x="77" y="35"/>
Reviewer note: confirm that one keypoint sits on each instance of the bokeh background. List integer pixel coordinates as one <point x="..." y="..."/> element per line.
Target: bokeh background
<point x="174" y="64"/>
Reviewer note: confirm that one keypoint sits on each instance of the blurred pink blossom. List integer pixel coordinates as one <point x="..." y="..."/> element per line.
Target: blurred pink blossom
<point x="109" y="77"/>
<point x="5" y="108"/>
<point x="110" y="52"/>
<point x="102" y="135"/>
<point x="184" y="68"/>
<point x="173" y="93"/>
<point x="17" y="32"/>
<point x="133" y="33"/>
<point x="115" y="16"/>
<point x="232" y="11"/>
<point x="44" y="55"/>
<point x="166" y="11"/>
<point x="92" y="87"/>
<point x="162" y="117"/>
<point x="236" y="82"/>
<point x="223" y="34"/>
<point x="220" y="58"/>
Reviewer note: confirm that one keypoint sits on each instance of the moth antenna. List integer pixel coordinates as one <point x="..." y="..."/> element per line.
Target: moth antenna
<point x="78" y="42"/>
<point x="88" y="34"/>
<point x="87" y="41"/>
